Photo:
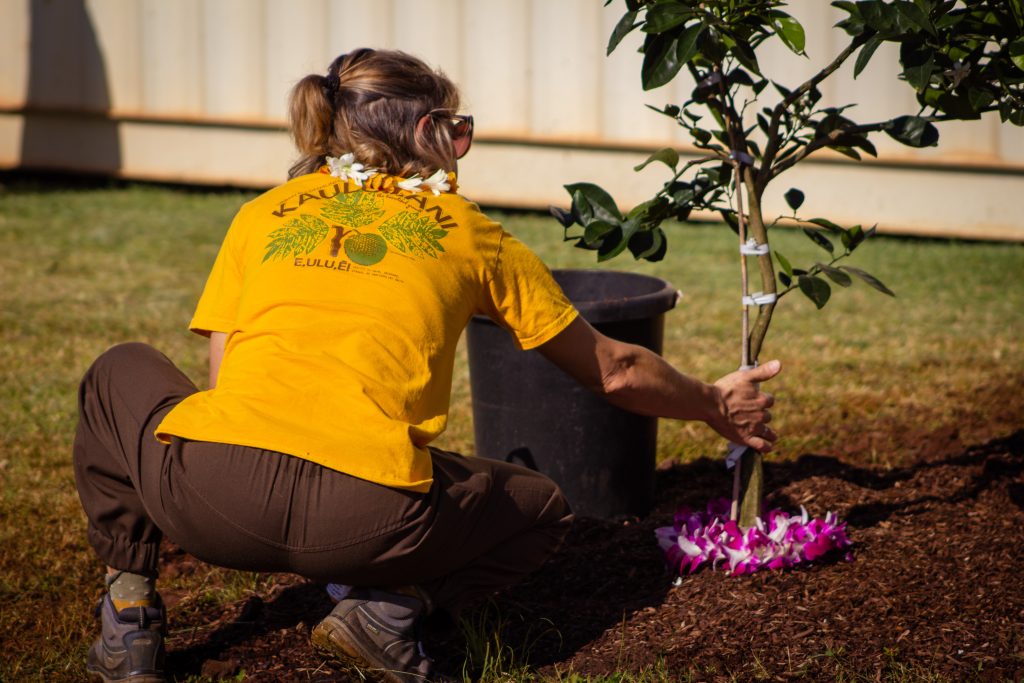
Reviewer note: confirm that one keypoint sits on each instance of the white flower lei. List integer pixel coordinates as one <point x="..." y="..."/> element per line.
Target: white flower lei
<point x="347" y="168"/>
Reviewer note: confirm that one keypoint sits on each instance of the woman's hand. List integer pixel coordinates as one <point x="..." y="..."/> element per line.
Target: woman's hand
<point x="743" y="415"/>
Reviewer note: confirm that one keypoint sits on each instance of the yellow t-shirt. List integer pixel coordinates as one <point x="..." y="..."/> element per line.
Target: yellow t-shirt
<point x="342" y="307"/>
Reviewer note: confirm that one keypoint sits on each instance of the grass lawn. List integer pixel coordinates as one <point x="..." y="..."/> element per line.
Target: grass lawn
<point x="82" y="268"/>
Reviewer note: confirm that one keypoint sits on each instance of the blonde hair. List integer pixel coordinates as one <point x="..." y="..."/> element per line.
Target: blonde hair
<point x="369" y="104"/>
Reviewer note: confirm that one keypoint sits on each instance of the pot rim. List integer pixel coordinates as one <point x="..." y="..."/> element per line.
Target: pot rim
<point x="661" y="297"/>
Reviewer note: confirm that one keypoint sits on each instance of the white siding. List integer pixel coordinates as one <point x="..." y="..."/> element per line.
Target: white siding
<point x="141" y="78"/>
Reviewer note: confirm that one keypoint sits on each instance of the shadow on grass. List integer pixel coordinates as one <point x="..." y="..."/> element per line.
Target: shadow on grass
<point x="288" y="615"/>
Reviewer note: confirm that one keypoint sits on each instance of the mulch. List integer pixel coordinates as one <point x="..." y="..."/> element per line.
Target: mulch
<point x="935" y="587"/>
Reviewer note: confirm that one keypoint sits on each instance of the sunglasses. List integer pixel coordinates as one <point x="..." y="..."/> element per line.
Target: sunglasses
<point x="461" y="127"/>
<point x="462" y="133"/>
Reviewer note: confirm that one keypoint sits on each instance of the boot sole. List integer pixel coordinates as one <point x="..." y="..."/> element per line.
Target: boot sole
<point x="331" y="638"/>
<point x="97" y="675"/>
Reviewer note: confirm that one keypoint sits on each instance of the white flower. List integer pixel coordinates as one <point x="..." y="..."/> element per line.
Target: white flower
<point x="347" y="168"/>
<point x="959" y="72"/>
<point x="411" y="184"/>
<point x="438" y="182"/>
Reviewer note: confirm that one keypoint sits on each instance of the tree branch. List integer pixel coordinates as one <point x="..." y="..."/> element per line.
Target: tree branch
<point x="773" y="127"/>
<point x="833" y="135"/>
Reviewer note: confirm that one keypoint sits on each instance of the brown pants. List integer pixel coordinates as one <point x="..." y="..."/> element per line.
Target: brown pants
<point x="483" y="525"/>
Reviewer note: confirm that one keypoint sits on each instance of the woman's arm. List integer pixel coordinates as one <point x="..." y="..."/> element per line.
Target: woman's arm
<point x="640" y="381"/>
<point x="216" y="354"/>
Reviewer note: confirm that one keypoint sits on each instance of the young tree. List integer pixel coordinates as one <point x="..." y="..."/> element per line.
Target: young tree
<point x="963" y="60"/>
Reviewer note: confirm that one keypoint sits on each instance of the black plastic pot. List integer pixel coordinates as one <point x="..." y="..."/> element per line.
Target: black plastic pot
<point x="526" y="410"/>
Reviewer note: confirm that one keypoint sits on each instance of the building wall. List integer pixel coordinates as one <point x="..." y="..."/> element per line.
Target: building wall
<point x="195" y="90"/>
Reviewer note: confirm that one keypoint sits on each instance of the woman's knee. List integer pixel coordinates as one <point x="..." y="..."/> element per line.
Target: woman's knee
<point x="554" y="510"/>
<point x="558" y="513"/>
<point x="122" y="357"/>
<point x="130" y="367"/>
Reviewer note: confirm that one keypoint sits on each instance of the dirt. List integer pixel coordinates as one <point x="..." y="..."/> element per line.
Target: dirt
<point x="935" y="586"/>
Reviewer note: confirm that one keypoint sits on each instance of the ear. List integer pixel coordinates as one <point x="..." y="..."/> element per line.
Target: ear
<point x="421" y="125"/>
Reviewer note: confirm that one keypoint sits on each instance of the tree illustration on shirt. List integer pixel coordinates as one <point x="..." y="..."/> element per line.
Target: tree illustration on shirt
<point x="410" y="232"/>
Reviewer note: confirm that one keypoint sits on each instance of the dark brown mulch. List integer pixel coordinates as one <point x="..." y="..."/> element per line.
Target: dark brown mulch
<point x="935" y="585"/>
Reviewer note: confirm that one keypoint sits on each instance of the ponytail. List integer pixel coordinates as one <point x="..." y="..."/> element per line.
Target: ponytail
<point x="311" y="115"/>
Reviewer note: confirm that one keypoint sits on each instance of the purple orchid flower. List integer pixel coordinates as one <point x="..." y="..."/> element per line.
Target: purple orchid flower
<point x="779" y="541"/>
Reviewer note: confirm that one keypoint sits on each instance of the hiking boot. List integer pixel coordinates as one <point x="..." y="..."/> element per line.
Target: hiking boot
<point x="130" y="648"/>
<point x="376" y="633"/>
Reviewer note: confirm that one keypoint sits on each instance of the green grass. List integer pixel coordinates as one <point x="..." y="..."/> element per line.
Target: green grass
<point x="84" y="268"/>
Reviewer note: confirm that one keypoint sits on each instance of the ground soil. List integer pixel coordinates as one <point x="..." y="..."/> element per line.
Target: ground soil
<point x="935" y="585"/>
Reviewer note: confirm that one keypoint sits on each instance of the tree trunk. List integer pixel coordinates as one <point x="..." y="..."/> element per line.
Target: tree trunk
<point x="751" y="467"/>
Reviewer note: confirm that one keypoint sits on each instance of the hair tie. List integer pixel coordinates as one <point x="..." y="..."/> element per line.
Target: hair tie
<point x="331" y="87"/>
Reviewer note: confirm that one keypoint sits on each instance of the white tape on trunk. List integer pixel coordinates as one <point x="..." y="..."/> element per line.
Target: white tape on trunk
<point x="752" y="248"/>
<point x="760" y="299"/>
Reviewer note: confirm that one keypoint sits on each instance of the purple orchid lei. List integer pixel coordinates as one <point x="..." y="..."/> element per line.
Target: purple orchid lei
<point x="784" y="541"/>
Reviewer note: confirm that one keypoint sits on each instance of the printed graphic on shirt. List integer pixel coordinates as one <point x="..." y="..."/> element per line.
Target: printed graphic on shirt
<point x="355" y="209"/>
<point x="414" y="234"/>
<point x="297" y="237"/>
<point x="410" y="232"/>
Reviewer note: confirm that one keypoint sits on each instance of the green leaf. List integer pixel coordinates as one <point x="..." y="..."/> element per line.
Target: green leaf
<point x="738" y="77"/>
<point x="915" y="16"/>
<point x="860" y="141"/>
<point x="846" y="151"/>
<point x="744" y="52"/>
<point x="819" y="239"/>
<point x="582" y="212"/>
<point x="712" y="48"/>
<point x="616" y="240"/>
<point x="649" y="245"/>
<point x="670" y="110"/>
<point x="665" y="16"/>
<point x="877" y="15"/>
<point x="784" y="91"/>
<point x="835" y="275"/>
<point x="979" y="98"/>
<point x="667" y="156"/>
<point x="626" y="24"/>
<point x="612" y="245"/>
<point x="702" y="136"/>
<point x="686" y="48"/>
<point x="914" y="131"/>
<point x="789" y="30"/>
<point x="785" y="279"/>
<point x="562" y="216"/>
<point x="827" y="224"/>
<point x="682" y="193"/>
<point x="730" y="218"/>
<point x="1010" y="113"/>
<point x="918" y="62"/>
<point x="784" y="262"/>
<point x="853" y="237"/>
<point x="596" y="230"/>
<point x="815" y="289"/>
<point x="1016" y="51"/>
<point x="866" y="53"/>
<point x="660" y="62"/>
<point x="795" y="198"/>
<point x="870" y="279"/>
<point x="600" y="204"/>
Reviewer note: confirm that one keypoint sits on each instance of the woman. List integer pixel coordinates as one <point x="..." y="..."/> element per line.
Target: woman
<point x="333" y="310"/>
